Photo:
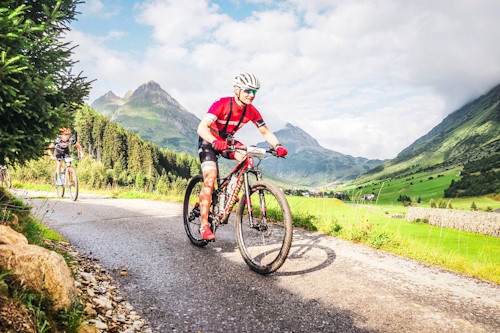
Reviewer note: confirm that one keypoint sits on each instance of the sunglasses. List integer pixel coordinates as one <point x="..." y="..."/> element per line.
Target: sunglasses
<point x="249" y="91"/>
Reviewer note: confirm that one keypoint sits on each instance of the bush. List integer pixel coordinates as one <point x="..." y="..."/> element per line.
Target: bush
<point x="432" y="203"/>
<point x="91" y="173"/>
<point x="444" y="204"/>
<point x="473" y="206"/>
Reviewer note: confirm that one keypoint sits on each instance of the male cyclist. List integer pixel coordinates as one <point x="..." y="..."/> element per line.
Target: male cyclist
<point x="61" y="148"/>
<point x="225" y="117"/>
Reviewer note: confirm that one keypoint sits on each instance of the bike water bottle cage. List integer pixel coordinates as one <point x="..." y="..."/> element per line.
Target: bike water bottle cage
<point x="223" y="134"/>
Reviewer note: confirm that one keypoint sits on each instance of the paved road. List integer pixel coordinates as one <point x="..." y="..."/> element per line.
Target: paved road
<point x="326" y="285"/>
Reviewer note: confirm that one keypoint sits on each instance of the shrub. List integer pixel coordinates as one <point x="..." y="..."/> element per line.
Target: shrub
<point x="335" y="229"/>
<point x="91" y="173"/>
<point x="378" y="238"/>
<point x="432" y="203"/>
<point x="473" y="206"/>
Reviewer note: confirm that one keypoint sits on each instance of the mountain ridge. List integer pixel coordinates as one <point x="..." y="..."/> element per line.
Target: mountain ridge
<point x="154" y="114"/>
<point x="469" y="133"/>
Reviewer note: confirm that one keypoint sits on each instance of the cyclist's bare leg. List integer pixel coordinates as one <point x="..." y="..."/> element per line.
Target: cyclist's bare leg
<point x="209" y="177"/>
<point x="59" y="166"/>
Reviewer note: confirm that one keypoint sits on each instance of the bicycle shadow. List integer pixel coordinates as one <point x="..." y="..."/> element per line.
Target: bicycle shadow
<point x="307" y="253"/>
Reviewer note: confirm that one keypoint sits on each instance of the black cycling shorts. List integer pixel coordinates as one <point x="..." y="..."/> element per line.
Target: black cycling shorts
<point x="208" y="155"/>
<point x="61" y="154"/>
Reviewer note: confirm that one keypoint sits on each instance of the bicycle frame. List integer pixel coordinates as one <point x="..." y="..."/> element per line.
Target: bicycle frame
<point x="66" y="168"/>
<point x="241" y="171"/>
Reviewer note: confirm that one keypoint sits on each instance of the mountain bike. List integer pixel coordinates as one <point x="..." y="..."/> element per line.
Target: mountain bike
<point x="5" y="177"/>
<point x="67" y="180"/>
<point x="264" y="224"/>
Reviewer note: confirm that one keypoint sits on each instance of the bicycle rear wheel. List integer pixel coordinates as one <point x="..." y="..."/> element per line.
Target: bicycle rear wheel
<point x="191" y="211"/>
<point x="73" y="184"/>
<point x="58" y="184"/>
<point x="265" y="244"/>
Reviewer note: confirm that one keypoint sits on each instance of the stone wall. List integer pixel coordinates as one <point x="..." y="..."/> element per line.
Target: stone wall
<point x="487" y="223"/>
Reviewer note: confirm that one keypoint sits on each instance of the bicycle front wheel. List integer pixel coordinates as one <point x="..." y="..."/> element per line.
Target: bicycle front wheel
<point x="72" y="184"/>
<point x="265" y="241"/>
<point x="59" y="185"/>
<point x="191" y="211"/>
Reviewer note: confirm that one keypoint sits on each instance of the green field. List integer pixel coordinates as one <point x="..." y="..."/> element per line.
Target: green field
<point x="469" y="253"/>
<point x="424" y="185"/>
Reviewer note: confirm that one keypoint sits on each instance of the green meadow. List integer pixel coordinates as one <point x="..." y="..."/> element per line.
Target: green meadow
<point x="424" y="186"/>
<point x="469" y="253"/>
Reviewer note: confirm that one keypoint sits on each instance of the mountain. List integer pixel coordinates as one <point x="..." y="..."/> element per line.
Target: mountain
<point x="154" y="114"/>
<point x="308" y="163"/>
<point x="158" y="117"/>
<point x="470" y="133"/>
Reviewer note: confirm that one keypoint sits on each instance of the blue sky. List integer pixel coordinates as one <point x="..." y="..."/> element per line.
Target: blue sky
<point x="365" y="78"/>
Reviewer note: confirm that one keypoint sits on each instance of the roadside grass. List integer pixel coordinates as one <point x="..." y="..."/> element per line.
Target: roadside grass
<point x="469" y="253"/>
<point x="35" y="303"/>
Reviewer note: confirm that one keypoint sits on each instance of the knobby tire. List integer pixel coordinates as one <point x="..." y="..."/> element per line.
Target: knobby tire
<point x="191" y="217"/>
<point x="265" y="247"/>
<point x="73" y="184"/>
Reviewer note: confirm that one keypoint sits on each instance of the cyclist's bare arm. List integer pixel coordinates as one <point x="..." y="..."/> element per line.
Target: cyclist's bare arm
<point x="204" y="130"/>
<point x="80" y="149"/>
<point x="269" y="136"/>
<point x="49" y="151"/>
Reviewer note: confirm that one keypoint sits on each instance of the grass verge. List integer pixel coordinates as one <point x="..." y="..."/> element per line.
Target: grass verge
<point x="35" y="304"/>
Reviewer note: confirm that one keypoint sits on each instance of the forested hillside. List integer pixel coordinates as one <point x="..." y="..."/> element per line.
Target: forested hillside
<point x="127" y="158"/>
<point x="154" y="114"/>
<point x="478" y="178"/>
<point x="470" y="133"/>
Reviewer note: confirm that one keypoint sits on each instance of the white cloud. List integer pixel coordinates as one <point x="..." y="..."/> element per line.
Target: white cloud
<point x="98" y="9"/>
<point x="388" y="70"/>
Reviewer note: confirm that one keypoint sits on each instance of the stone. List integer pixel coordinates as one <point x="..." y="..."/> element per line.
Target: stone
<point x="86" y="328"/>
<point x="41" y="270"/>
<point x="10" y="236"/>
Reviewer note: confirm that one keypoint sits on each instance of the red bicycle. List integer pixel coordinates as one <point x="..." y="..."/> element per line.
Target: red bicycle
<point x="264" y="225"/>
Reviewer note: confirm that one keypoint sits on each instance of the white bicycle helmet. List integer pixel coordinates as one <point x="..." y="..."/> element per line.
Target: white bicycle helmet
<point x="246" y="80"/>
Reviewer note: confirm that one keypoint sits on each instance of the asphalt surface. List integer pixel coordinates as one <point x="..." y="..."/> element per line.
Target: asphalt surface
<point x="326" y="284"/>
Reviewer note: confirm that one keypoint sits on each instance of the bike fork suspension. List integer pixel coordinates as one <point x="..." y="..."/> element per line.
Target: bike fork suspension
<point x="263" y="208"/>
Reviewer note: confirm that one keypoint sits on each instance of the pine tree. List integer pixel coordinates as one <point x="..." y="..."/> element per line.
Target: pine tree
<point x="38" y="92"/>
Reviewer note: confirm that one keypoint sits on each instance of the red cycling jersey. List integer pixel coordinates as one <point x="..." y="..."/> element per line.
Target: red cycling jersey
<point x="219" y="113"/>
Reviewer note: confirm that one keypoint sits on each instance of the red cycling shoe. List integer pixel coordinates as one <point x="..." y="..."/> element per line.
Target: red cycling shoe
<point x="206" y="233"/>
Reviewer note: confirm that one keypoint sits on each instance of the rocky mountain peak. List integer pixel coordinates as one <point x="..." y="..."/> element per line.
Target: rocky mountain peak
<point x="293" y="134"/>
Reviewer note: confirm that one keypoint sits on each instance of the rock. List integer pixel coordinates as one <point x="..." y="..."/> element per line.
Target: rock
<point x="88" y="277"/>
<point x="86" y="328"/>
<point x="9" y="236"/>
<point x="99" y="324"/>
<point x="41" y="270"/>
<point x="103" y="302"/>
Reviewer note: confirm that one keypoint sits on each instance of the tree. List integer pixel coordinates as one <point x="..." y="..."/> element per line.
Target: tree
<point x="38" y="92"/>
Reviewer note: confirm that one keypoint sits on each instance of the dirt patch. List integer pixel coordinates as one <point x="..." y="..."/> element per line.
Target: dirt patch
<point x="14" y="318"/>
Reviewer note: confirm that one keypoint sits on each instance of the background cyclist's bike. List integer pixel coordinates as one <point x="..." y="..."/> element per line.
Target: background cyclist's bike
<point x="264" y="224"/>
<point x="67" y="180"/>
<point x="5" y="180"/>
